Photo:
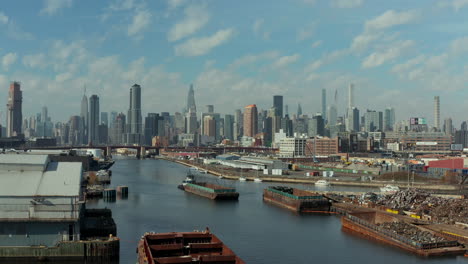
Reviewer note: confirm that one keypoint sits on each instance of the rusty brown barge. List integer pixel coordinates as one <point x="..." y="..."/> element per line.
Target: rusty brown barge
<point x="184" y="247"/>
<point x="297" y="200"/>
<point x="376" y="226"/>
<point x="211" y="191"/>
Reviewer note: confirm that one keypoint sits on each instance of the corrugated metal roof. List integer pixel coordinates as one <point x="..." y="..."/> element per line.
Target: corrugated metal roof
<point x="21" y="162"/>
<point x="59" y="179"/>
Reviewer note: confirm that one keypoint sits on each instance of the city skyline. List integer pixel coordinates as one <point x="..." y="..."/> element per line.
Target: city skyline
<point x="110" y="59"/>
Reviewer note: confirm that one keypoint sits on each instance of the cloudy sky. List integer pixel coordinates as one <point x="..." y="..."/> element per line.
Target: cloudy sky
<point x="398" y="53"/>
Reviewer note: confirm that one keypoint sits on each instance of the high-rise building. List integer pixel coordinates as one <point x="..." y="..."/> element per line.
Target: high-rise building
<point x="448" y="126"/>
<point x="332" y="116"/>
<point x="316" y="126"/>
<point x="74" y="133"/>
<point x="389" y="119"/>
<point x="464" y="126"/>
<point x="209" y="126"/>
<point x="105" y="118"/>
<point x="229" y="127"/>
<point x="278" y="105"/>
<point x="238" y="124"/>
<point x="324" y="104"/>
<point x="14" y="110"/>
<point x="299" y="110"/>
<point x="372" y="120"/>
<point x="118" y="129"/>
<point x="84" y="119"/>
<point x="44" y="115"/>
<point x="191" y="100"/>
<point x="191" y="125"/>
<point x="134" y="122"/>
<point x="250" y="119"/>
<point x="93" y="130"/>
<point x="437" y="113"/>
<point x="151" y="127"/>
<point x="210" y="109"/>
<point x="353" y="120"/>
<point x="350" y="96"/>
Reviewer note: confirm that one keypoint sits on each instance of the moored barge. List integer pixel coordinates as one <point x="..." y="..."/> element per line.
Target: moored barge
<point x="296" y="200"/>
<point x="184" y="247"/>
<point x="211" y="191"/>
<point x="374" y="225"/>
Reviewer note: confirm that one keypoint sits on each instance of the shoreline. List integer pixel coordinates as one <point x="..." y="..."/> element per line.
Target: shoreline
<point x="429" y="187"/>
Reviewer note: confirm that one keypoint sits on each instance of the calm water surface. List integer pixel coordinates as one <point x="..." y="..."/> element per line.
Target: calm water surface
<point x="257" y="232"/>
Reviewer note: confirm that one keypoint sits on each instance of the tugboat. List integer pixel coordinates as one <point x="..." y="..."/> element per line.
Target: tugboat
<point x="190" y="178"/>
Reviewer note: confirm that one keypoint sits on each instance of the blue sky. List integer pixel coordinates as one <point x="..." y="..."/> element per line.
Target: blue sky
<point x="397" y="53"/>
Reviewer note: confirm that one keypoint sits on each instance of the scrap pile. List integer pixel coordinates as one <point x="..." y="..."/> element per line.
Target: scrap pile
<point x="411" y="232"/>
<point x="441" y="210"/>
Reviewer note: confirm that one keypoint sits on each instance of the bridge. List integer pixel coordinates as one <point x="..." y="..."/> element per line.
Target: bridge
<point x="141" y="149"/>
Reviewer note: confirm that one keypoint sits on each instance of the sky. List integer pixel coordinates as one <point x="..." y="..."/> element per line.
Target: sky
<point x="397" y="53"/>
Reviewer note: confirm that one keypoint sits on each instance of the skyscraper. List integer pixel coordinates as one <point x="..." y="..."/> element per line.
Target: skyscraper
<point x="134" y="125"/>
<point x="191" y="100"/>
<point x="84" y="119"/>
<point x="44" y="115"/>
<point x="353" y="119"/>
<point x="151" y="127"/>
<point x="14" y="110"/>
<point x="278" y="105"/>
<point x="389" y="119"/>
<point x="229" y="127"/>
<point x="316" y="126"/>
<point x="250" y="120"/>
<point x="437" y="113"/>
<point x="209" y="126"/>
<point x="210" y="109"/>
<point x="93" y="132"/>
<point x="299" y="110"/>
<point x="448" y="126"/>
<point x="105" y="118"/>
<point x="191" y="122"/>
<point x="350" y="96"/>
<point x="324" y="104"/>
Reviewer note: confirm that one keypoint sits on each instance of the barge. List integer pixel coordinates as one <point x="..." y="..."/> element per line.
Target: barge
<point x="211" y="191"/>
<point x="184" y="247"/>
<point x="373" y="225"/>
<point x="297" y="200"/>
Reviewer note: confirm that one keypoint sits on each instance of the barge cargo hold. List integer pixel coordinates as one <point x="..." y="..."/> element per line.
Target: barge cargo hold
<point x="371" y="225"/>
<point x="296" y="200"/>
<point x="184" y="247"/>
<point x="212" y="191"/>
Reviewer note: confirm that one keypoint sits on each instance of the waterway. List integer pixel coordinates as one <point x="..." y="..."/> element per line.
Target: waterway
<point x="256" y="231"/>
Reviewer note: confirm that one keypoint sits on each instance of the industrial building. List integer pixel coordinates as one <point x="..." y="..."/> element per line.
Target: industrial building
<point x="40" y="200"/>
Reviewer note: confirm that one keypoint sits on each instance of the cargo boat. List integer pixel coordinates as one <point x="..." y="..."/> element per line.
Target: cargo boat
<point x="212" y="191"/>
<point x="296" y="200"/>
<point x="184" y="247"/>
<point x="366" y="224"/>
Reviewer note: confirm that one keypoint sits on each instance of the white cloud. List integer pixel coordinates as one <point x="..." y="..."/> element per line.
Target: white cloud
<point x="53" y="6"/>
<point x="347" y="3"/>
<point x="35" y="61"/>
<point x="286" y="60"/>
<point x="390" y="19"/>
<point x="201" y="46"/>
<point x="374" y="29"/>
<point x="196" y="17"/>
<point x="316" y="44"/>
<point x="140" y="22"/>
<point x="459" y="46"/>
<point x="403" y="68"/>
<point x="3" y="18"/>
<point x="258" y="29"/>
<point x="394" y="51"/>
<point x="306" y="32"/>
<point x="8" y="60"/>
<point x="173" y="4"/>
<point x="253" y="58"/>
<point x="122" y="5"/>
<point x="455" y="4"/>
